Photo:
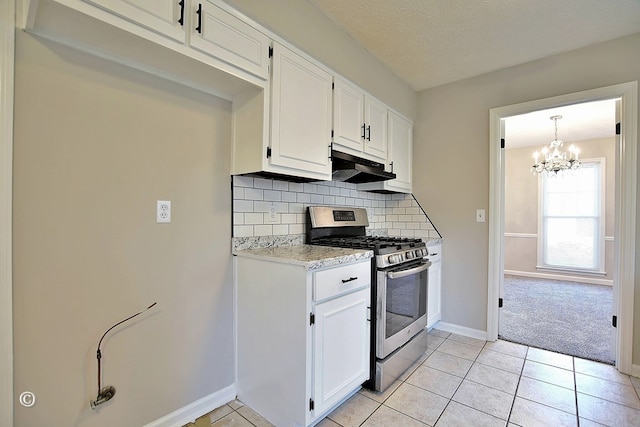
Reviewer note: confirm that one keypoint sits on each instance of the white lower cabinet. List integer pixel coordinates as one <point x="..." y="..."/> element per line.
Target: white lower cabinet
<point x="339" y="364"/>
<point x="302" y="337"/>
<point x="434" y="313"/>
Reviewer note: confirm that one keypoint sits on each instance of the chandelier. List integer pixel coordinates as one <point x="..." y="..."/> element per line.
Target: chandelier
<point x="553" y="160"/>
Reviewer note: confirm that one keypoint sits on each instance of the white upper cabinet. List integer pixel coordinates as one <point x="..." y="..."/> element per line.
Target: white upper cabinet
<point x="217" y="33"/>
<point x="359" y="122"/>
<point x="300" y="116"/>
<point x="348" y="116"/>
<point x="286" y="113"/>
<point x="165" y="17"/>
<point x="213" y="31"/>
<point x="400" y="140"/>
<point x="375" y="116"/>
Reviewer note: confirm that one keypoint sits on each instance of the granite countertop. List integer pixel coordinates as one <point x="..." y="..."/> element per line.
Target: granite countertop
<point x="433" y="242"/>
<point x="309" y="256"/>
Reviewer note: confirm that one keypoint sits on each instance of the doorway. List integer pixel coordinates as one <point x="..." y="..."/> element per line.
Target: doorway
<point x="625" y="202"/>
<point x="559" y="244"/>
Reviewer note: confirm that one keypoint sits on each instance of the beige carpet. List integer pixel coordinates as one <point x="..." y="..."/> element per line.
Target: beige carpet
<point x="565" y="317"/>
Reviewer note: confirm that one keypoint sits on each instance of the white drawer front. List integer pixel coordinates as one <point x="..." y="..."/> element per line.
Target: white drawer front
<point x="335" y="281"/>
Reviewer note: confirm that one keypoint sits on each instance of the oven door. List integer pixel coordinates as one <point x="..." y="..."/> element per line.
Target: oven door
<point x="401" y="306"/>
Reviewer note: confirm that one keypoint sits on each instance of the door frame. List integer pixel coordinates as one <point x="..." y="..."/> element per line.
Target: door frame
<point x="625" y="228"/>
<point x="7" y="52"/>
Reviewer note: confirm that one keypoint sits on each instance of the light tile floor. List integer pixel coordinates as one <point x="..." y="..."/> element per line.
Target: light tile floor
<point x="462" y="381"/>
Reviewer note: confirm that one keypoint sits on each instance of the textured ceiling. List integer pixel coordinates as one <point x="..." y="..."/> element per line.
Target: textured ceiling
<point x="433" y="42"/>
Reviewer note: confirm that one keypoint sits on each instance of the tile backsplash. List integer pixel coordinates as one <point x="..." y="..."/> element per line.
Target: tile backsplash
<point x="253" y="198"/>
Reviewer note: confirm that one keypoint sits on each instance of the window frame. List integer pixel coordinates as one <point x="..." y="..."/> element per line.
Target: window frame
<point x="599" y="269"/>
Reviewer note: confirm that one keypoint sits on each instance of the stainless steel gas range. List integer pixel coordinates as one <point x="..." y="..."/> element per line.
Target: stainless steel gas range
<point x="399" y="288"/>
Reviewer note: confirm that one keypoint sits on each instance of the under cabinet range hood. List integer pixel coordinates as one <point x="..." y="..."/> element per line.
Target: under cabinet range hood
<point x="356" y="170"/>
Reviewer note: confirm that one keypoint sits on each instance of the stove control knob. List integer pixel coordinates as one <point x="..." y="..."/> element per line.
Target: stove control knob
<point x="409" y="255"/>
<point x="391" y="259"/>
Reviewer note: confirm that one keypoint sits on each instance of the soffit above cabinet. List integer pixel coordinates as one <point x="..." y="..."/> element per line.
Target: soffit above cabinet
<point x="116" y="39"/>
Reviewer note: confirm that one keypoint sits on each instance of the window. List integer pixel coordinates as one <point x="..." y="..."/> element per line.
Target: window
<point x="572" y="219"/>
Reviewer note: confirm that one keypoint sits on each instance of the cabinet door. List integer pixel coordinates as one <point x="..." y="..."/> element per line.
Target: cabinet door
<point x="435" y="285"/>
<point x="375" y="117"/>
<point x="348" y="116"/>
<point x="341" y="348"/>
<point x="161" y="16"/>
<point x="400" y="146"/>
<point x="300" y="115"/>
<point x="223" y="36"/>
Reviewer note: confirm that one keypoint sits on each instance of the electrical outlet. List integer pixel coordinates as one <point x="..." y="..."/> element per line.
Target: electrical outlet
<point x="163" y="211"/>
<point x="272" y="215"/>
<point x="480" y="215"/>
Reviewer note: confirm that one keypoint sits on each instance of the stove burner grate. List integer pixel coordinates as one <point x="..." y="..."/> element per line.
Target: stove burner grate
<point x="374" y="243"/>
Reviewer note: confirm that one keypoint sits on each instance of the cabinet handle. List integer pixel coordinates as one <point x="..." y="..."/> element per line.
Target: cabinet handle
<point x="350" y="279"/>
<point x="404" y="273"/>
<point x="369" y="130"/>
<point x="199" y="13"/>
<point x="181" y="20"/>
<point x="364" y="126"/>
<point x="391" y="164"/>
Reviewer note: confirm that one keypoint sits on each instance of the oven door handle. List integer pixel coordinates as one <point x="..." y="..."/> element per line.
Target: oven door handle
<point x="409" y="272"/>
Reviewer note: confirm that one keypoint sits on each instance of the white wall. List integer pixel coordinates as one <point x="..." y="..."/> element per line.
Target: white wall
<point x="96" y="144"/>
<point x="451" y="141"/>
<point x="522" y="210"/>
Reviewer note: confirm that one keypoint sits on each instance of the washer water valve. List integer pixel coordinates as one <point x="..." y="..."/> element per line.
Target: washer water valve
<point x="105" y="394"/>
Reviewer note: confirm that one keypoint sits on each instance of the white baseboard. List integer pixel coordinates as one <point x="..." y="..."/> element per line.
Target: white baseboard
<point x="461" y="330"/>
<point x="433" y="320"/>
<point x="552" y="276"/>
<point x="635" y="371"/>
<point x="189" y="413"/>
